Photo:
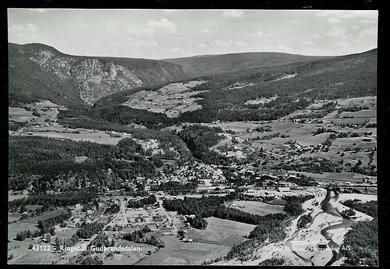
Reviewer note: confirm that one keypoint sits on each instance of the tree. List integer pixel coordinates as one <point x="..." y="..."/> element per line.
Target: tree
<point x="58" y="242"/>
<point x="48" y="238"/>
<point x="198" y="222"/>
<point x="180" y="234"/>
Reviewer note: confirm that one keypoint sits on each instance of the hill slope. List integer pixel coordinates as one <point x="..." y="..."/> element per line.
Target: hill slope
<point x="235" y="96"/>
<point x="217" y="64"/>
<point x="37" y="71"/>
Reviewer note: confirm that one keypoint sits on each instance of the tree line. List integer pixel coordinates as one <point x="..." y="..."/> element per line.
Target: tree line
<point x="88" y="229"/>
<point x="140" y="236"/>
<point x="142" y="202"/>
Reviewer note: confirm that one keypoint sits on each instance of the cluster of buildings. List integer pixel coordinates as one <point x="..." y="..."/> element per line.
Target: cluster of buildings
<point x="147" y="216"/>
<point x="205" y="175"/>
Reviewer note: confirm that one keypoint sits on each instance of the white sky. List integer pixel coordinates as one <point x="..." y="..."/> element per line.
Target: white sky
<point x="158" y="34"/>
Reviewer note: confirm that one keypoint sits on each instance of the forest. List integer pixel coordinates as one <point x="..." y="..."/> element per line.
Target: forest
<point x="361" y="243"/>
<point x="199" y="139"/>
<point x="370" y="207"/>
<point x="54" y="200"/>
<point x="142" y="202"/>
<point x="140" y="236"/>
<point x="46" y="164"/>
<point x="175" y="188"/>
<point x="46" y="224"/>
<point x="88" y="229"/>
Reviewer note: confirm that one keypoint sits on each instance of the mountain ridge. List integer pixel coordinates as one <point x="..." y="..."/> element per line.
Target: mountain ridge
<point x="39" y="71"/>
<point x="230" y="62"/>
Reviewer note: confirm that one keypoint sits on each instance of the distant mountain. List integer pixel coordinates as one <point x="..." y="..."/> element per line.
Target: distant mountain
<point x="217" y="64"/>
<point x="234" y="96"/>
<point x="38" y="71"/>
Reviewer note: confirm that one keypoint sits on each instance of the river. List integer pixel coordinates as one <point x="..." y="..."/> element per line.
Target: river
<point x="346" y="223"/>
<point x="327" y="207"/>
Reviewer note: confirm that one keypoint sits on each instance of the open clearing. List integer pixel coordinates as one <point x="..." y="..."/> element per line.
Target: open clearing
<point x="221" y="232"/>
<point x="171" y="100"/>
<point x="358" y="196"/>
<point x="80" y="134"/>
<point x="256" y="207"/>
<point x="45" y="111"/>
<point x="368" y="113"/>
<point x="129" y="257"/>
<point x="332" y="177"/>
<point x="176" y="252"/>
<point x="18" y="114"/>
<point x="45" y="215"/>
<point x="34" y="257"/>
<point x="15" y="228"/>
<point x="30" y="223"/>
<point x="66" y="233"/>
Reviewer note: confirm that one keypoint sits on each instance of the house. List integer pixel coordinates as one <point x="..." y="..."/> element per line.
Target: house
<point x="158" y="218"/>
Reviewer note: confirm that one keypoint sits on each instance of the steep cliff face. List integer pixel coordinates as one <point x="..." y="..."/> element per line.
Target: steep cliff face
<point x="91" y="78"/>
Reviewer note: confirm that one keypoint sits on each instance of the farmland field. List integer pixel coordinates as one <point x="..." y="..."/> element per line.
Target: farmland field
<point x="172" y="100"/>
<point x="360" y="114"/>
<point x="34" y="257"/>
<point x="30" y="223"/>
<point x="66" y="232"/>
<point x="176" y="252"/>
<point x="60" y="132"/>
<point x="221" y="232"/>
<point x="193" y="139"/>
<point x="334" y="177"/>
<point x="46" y="215"/>
<point x="256" y="207"/>
<point x="129" y="257"/>
<point x="17" y="227"/>
<point x="18" y="114"/>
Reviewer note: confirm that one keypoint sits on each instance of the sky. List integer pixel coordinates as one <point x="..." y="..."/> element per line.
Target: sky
<point x="159" y="34"/>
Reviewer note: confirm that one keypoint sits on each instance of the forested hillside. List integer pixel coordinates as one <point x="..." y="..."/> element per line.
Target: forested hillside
<point x="227" y="96"/>
<point x="38" y="71"/>
<point x="232" y="62"/>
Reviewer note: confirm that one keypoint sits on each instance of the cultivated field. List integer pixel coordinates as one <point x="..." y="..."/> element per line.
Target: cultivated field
<point x="30" y="256"/>
<point x="256" y="207"/>
<point x="79" y="134"/>
<point x="66" y="232"/>
<point x="14" y="228"/>
<point x="129" y="257"/>
<point x="30" y="223"/>
<point x="221" y="232"/>
<point x="18" y="114"/>
<point x="171" y="100"/>
<point x="176" y="252"/>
